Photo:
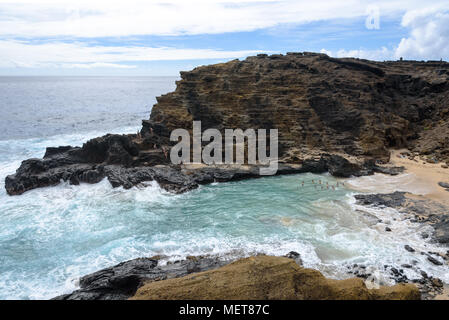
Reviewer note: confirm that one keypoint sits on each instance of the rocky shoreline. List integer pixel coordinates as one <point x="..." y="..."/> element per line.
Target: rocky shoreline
<point x="416" y="210"/>
<point x="340" y="116"/>
<point x="119" y="159"/>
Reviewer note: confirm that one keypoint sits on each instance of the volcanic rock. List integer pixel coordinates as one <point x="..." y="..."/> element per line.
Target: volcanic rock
<point x="428" y="211"/>
<point x="121" y="281"/>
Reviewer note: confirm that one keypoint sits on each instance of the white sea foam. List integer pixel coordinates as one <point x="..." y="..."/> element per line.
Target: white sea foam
<point x="382" y="183"/>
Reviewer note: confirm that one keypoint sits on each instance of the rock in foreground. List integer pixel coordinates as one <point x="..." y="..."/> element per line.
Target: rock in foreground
<point x="266" y="277"/>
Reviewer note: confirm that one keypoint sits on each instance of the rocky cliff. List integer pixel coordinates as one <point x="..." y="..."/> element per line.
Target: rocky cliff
<point x="351" y="106"/>
<point x="337" y="115"/>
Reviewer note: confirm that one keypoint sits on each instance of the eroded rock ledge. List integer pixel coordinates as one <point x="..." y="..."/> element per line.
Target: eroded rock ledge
<point x="124" y="162"/>
<point x="266" y="278"/>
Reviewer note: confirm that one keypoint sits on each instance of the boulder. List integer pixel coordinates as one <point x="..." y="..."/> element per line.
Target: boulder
<point x="267" y="278"/>
<point x="444" y="184"/>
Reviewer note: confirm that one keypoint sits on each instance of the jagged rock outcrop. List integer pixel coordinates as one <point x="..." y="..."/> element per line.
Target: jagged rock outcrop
<point x="444" y="185"/>
<point x="422" y="210"/>
<point x="336" y="115"/>
<point x="122" y="281"/>
<point x="266" y="278"/>
<point x="116" y="157"/>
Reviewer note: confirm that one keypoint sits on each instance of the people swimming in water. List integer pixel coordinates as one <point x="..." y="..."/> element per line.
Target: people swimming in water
<point x="327" y="186"/>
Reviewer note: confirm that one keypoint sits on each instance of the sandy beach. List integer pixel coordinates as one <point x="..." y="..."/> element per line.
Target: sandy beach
<point x="428" y="174"/>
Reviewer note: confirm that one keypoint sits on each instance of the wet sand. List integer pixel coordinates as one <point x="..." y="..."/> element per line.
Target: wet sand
<point x="428" y="174"/>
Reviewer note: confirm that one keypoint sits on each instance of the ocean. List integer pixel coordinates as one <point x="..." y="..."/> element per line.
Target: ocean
<point x="49" y="237"/>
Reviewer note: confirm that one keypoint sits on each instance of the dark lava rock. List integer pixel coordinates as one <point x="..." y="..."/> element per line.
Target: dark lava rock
<point x="123" y="165"/>
<point x="419" y="211"/>
<point x="398" y="275"/>
<point x="437" y="282"/>
<point x="393" y="200"/>
<point x="434" y="261"/>
<point x="393" y="171"/>
<point x="340" y="167"/>
<point x="295" y="256"/>
<point x="444" y="184"/>
<point x="441" y="233"/>
<point x="122" y="281"/>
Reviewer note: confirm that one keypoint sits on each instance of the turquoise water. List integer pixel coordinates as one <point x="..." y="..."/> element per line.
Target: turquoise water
<point x="50" y="237"/>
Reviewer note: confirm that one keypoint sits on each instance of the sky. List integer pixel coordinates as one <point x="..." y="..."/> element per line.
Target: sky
<point x="161" y="38"/>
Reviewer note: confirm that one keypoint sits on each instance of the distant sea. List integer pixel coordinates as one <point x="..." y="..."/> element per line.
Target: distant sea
<point x="45" y="106"/>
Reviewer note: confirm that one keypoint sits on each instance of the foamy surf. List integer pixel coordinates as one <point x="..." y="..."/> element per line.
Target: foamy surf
<point x="382" y="183"/>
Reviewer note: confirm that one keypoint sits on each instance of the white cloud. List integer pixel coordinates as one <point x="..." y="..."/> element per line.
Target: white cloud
<point x="78" y="55"/>
<point x="428" y="39"/>
<point x="377" y="54"/>
<point x="96" y="65"/>
<point x="77" y="19"/>
<point x="105" y="18"/>
<point x="429" y="36"/>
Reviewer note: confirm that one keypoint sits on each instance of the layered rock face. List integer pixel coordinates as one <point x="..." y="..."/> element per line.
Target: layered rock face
<point x="318" y="103"/>
<point x="336" y="115"/>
